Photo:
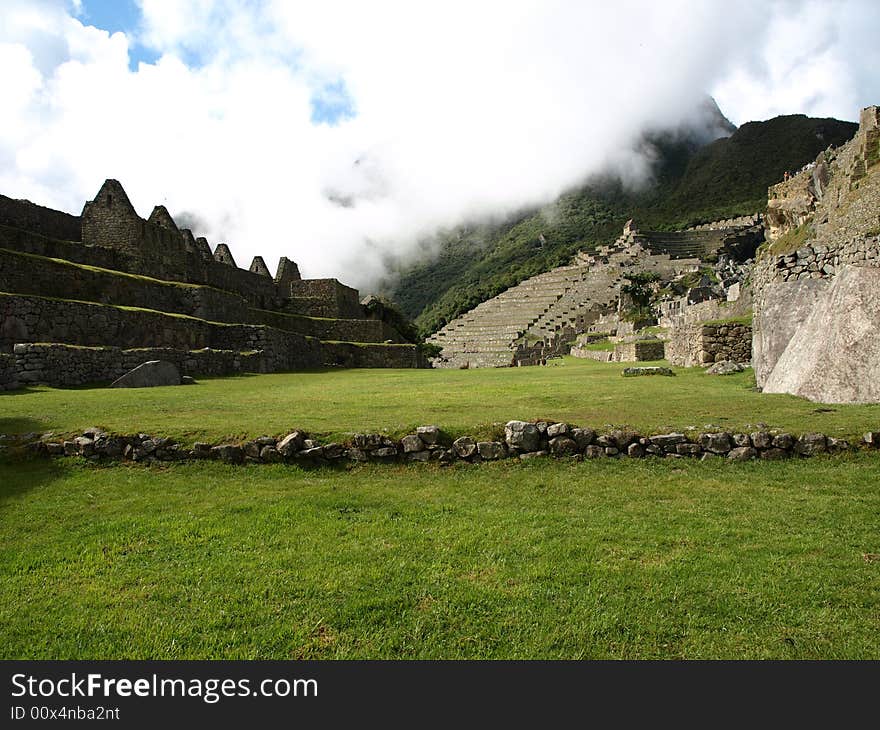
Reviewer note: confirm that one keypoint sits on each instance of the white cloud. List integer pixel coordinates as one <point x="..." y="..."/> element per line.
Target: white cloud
<point x="462" y="108"/>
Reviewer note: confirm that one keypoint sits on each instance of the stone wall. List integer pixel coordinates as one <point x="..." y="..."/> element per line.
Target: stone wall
<point x="520" y="439"/>
<point x="16" y="239"/>
<point x="817" y="260"/>
<point x="8" y="372"/>
<point x="707" y="343"/>
<point x="67" y="365"/>
<point x="354" y="355"/>
<point x="639" y="351"/>
<point x="29" y="274"/>
<point x="347" y="330"/>
<point x="44" y="221"/>
<point x="38" y="319"/>
<point x="324" y="298"/>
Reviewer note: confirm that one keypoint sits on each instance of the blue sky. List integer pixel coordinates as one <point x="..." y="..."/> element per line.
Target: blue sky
<point x="118" y="15"/>
<point x="331" y="103"/>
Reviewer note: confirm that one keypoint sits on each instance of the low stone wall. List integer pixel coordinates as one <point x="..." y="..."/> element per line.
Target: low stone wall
<point x="64" y="365"/>
<point x="8" y="373"/>
<point x="365" y="355"/>
<point x="521" y="440"/>
<point x="639" y="351"/>
<point x="704" y="344"/>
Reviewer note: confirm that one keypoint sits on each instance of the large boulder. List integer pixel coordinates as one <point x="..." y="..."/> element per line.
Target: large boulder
<point x="785" y="307"/>
<point x="149" y="375"/>
<point x="834" y="356"/>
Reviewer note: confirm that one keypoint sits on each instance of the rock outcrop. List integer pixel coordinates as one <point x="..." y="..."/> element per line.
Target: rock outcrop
<point x="817" y="286"/>
<point x="834" y="355"/>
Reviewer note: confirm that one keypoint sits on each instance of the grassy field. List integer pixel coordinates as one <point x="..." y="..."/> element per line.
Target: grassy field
<point x="336" y="403"/>
<point x="623" y="559"/>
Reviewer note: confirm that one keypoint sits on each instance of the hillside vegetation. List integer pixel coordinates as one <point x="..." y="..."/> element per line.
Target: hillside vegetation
<point x="692" y="184"/>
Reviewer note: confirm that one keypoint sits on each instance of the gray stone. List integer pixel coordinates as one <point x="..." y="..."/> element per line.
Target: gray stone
<point x="150" y="374"/>
<point x="270" y="454"/>
<point x="622" y="438"/>
<point x="810" y="444"/>
<point x="872" y="439"/>
<point x="717" y="443"/>
<point x="333" y="451"/>
<point x="556" y="429"/>
<point x="429" y="434"/>
<point x="834" y="355"/>
<point x="741" y="439"/>
<point x="635" y="451"/>
<point x="783" y="441"/>
<point x="187" y="380"/>
<point x="465" y="447"/>
<point x="421" y="456"/>
<point x="742" y="453"/>
<point x="356" y="454"/>
<point x="583" y="437"/>
<point x="412" y="444"/>
<point x="229" y="453"/>
<point x="251" y="449"/>
<point x="563" y="446"/>
<point x="762" y="439"/>
<point x="490" y="450"/>
<point x="667" y="439"/>
<point x="635" y="372"/>
<point x="709" y="456"/>
<point x="688" y="449"/>
<point x="533" y="455"/>
<point x="774" y="454"/>
<point x="725" y="367"/>
<point x="786" y="305"/>
<point x="594" y="452"/>
<point x="369" y="441"/>
<point x="386" y="452"/>
<point x="290" y="444"/>
<point x="522" y="436"/>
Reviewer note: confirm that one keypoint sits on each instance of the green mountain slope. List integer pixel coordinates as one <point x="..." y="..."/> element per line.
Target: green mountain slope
<point x="692" y="184"/>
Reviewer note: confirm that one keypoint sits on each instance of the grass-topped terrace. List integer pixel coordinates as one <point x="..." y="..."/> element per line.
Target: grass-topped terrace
<point x="612" y="559"/>
<point x="335" y="403"/>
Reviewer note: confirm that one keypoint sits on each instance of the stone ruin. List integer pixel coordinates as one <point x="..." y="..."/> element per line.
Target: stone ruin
<point x="87" y="298"/>
<point x="817" y="308"/>
<point x="542" y="316"/>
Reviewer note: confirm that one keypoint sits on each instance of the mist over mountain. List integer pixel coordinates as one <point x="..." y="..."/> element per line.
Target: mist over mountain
<point x="692" y="179"/>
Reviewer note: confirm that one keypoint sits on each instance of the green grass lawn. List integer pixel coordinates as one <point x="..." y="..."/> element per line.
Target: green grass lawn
<point x="625" y="559"/>
<point x="334" y="403"/>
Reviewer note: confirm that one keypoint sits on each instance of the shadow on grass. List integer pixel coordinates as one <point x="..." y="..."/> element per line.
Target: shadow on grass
<point x="19" y="475"/>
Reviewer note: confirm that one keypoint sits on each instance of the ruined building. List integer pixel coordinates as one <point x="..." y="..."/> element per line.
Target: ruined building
<point x="85" y="298"/>
<point x="541" y="316"/>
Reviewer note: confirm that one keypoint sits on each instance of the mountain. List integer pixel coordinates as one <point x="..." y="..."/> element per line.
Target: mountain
<point x="694" y="181"/>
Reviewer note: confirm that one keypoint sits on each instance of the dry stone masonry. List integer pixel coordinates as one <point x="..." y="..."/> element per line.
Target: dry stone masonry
<point x="521" y="440"/>
<point x="82" y="297"/>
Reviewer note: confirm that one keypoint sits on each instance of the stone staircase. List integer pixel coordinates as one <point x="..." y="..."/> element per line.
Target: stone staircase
<point x="545" y="308"/>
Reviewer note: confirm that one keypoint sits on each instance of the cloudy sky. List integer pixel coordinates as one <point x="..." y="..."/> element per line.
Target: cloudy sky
<point x="330" y="131"/>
